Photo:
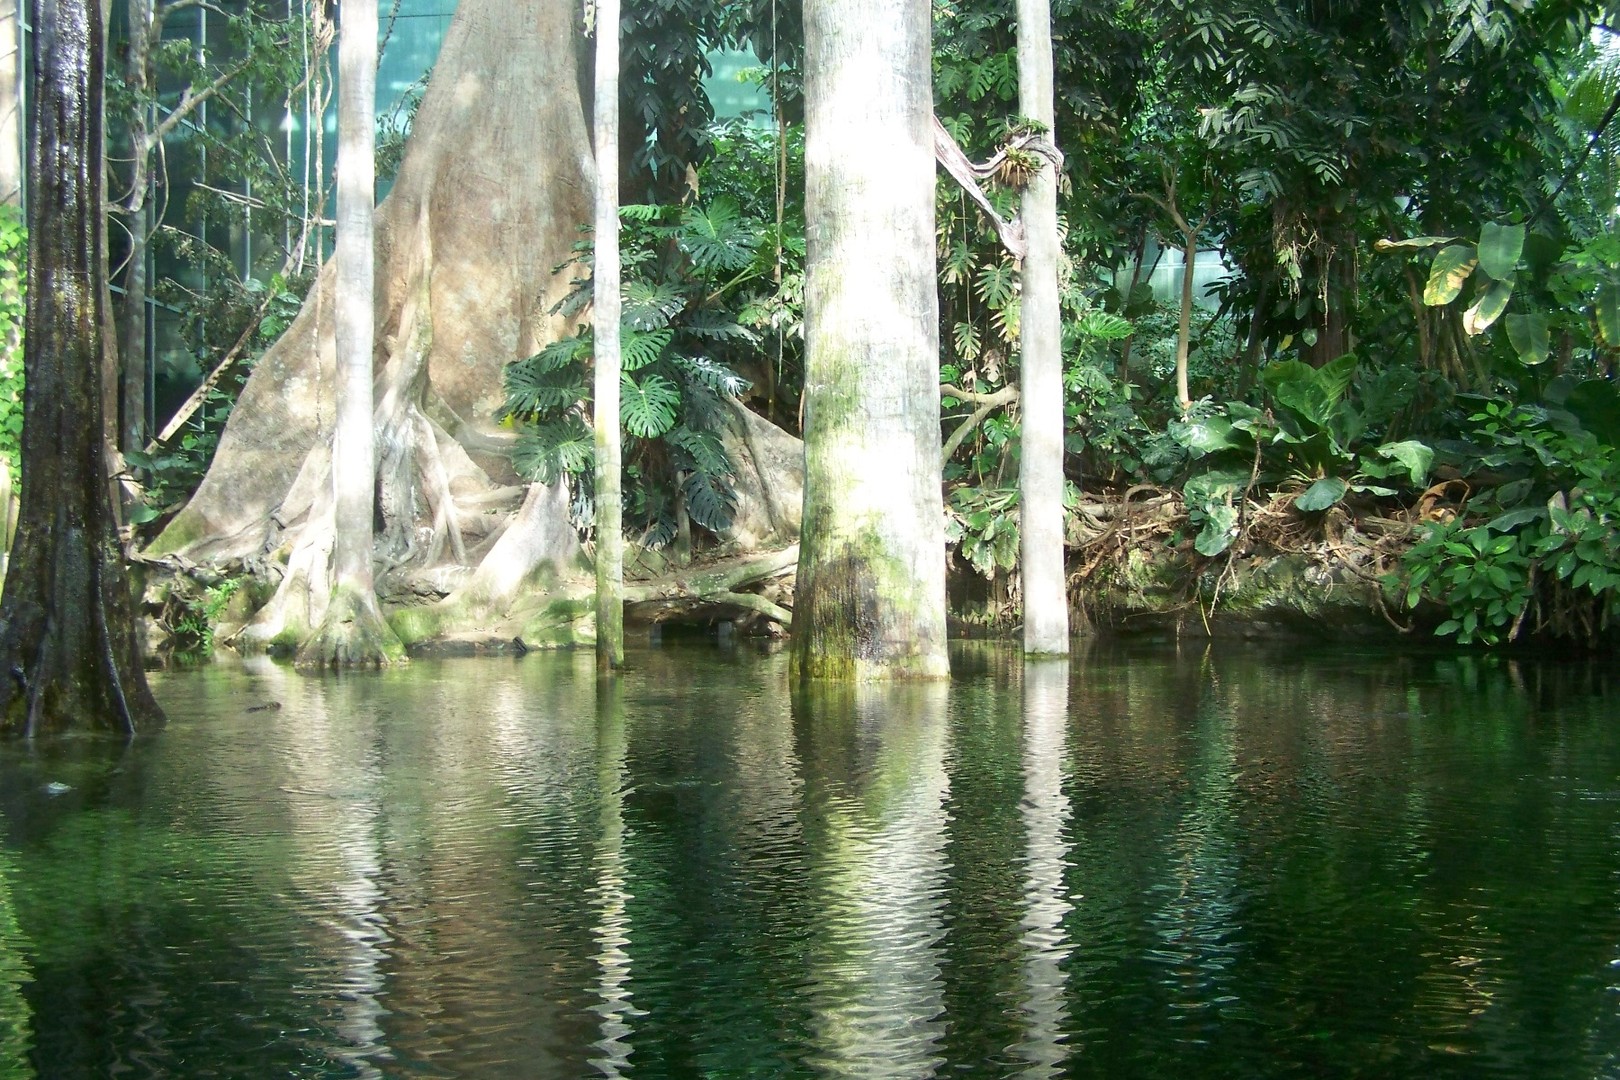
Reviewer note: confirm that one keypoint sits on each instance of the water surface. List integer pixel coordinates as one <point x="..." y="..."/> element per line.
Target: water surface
<point x="1141" y="863"/>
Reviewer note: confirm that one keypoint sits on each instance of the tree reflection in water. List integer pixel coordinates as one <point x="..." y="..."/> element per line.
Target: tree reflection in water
<point x="875" y="790"/>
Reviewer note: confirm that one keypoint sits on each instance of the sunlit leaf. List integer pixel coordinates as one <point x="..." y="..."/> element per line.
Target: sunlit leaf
<point x="1608" y="311"/>
<point x="1488" y="308"/>
<point x="1451" y="268"/>
<point x="1499" y="250"/>
<point x="1418" y="243"/>
<point x="1416" y="456"/>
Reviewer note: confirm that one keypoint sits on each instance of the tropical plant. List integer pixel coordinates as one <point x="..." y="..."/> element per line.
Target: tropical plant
<point x="1541" y="547"/>
<point x="702" y="295"/>
<point x="13" y="278"/>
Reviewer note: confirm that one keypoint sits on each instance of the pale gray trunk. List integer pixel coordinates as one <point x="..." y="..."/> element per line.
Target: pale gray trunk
<point x="353" y="446"/>
<point x="1040" y="478"/>
<point x="609" y="363"/>
<point x="870" y="601"/>
<point x="352" y="630"/>
<point x="11" y="171"/>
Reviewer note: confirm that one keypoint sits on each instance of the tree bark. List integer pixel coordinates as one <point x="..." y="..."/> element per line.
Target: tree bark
<point x="1189" y="262"/>
<point x="870" y="601"/>
<point x="609" y="363"/>
<point x="494" y="185"/>
<point x="67" y="621"/>
<point x="352" y="632"/>
<point x="132" y="336"/>
<point x="1040" y="478"/>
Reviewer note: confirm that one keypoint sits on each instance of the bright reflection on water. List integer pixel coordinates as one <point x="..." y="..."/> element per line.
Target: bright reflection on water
<point x="1132" y="864"/>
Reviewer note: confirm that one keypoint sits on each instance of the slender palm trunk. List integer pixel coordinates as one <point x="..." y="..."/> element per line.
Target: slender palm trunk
<point x="870" y="600"/>
<point x="353" y="631"/>
<point x="609" y="363"/>
<point x="1040" y="479"/>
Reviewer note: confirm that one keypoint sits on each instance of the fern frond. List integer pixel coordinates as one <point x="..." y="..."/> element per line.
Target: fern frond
<point x="712" y="374"/>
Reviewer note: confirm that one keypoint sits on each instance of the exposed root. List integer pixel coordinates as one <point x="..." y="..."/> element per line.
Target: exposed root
<point x="719" y="586"/>
<point x="352" y="634"/>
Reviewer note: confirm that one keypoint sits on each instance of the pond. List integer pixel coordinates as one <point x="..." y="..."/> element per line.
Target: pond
<point x="1145" y="862"/>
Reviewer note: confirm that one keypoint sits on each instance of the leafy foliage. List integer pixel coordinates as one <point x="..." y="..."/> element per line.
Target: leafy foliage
<point x="701" y="299"/>
<point x="1542" y="548"/>
<point x="13" y="280"/>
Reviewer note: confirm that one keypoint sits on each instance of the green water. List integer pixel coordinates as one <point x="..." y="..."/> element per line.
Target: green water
<point x="1138" y="864"/>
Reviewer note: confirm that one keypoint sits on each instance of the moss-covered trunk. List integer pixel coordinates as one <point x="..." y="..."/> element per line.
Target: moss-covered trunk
<point x="609" y="361"/>
<point x="352" y="631"/>
<point x="1040" y="478"/>
<point x="67" y="629"/>
<point x="870" y="601"/>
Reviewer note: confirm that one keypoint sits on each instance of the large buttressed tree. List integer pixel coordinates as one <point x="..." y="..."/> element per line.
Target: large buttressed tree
<point x="870" y="599"/>
<point x="495" y="182"/>
<point x="67" y="630"/>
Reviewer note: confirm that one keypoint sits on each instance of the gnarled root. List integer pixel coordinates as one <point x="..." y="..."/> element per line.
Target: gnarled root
<point x="352" y="634"/>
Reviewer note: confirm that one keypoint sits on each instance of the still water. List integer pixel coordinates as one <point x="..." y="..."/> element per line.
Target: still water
<point x="1136" y="864"/>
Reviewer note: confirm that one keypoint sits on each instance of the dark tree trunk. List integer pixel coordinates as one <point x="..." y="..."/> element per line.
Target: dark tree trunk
<point x="67" y="621"/>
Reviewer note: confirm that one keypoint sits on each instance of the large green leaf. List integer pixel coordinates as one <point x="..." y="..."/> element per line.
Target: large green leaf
<point x="1416" y="456"/>
<point x="648" y="406"/>
<point x="717" y="237"/>
<point x="1451" y="268"/>
<point x="1608" y="311"/>
<point x="1321" y="495"/>
<point x="1207" y="436"/>
<point x="1529" y="336"/>
<point x="638" y="348"/>
<point x="1488" y="308"/>
<point x="1220" y="528"/>
<point x="710" y="499"/>
<point x="1499" y="250"/>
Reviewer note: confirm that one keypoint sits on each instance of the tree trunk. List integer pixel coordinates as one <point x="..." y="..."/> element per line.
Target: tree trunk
<point x="353" y="632"/>
<point x="609" y="362"/>
<point x="870" y="601"/>
<point x="1189" y="262"/>
<point x="1040" y="478"/>
<point x="489" y="198"/>
<point x="132" y="336"/>
<point x="67" y="625"/>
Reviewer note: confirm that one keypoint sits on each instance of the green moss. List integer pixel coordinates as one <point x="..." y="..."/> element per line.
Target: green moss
<point x="414" y="625"/>
<point x="185" y="530"/>
<point x="564" y="622"/>
<point x="857" y="616"/>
